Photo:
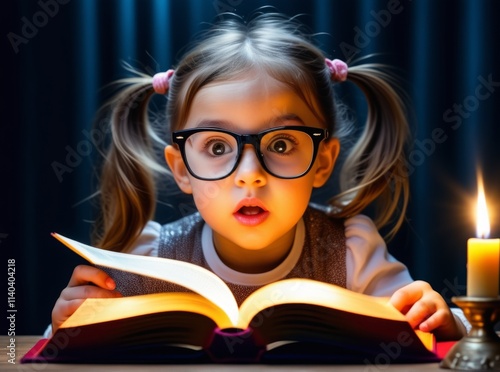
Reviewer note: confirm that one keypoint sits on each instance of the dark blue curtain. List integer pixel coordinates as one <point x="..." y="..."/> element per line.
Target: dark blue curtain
<point x="57" y="55"/>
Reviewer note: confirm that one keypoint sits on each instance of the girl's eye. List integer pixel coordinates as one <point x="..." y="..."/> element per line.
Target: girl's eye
<point x="217" y="147"/>
<point x="281" y="145"/>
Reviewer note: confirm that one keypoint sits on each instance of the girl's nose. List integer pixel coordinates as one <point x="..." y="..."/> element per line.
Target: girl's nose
<point x="249" y="171"/>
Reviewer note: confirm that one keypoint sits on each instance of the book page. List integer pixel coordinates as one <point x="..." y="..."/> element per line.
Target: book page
<point x="100" y="310"/>
<point x="312" y="292"/>
<point x="317" y="293"/>
<point x="188" y="275"/>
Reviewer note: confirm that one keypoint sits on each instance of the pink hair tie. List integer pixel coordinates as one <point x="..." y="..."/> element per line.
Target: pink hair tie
<point x="338" y="69"/>
<point x="161" y="81"/>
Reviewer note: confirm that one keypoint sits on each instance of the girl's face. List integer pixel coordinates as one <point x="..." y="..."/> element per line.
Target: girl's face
<point x="251" y="209"/>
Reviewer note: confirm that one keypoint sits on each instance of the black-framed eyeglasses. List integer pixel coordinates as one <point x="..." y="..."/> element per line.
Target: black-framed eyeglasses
<point x="285" y="152"/>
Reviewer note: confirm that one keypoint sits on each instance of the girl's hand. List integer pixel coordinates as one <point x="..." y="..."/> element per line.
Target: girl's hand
<point x="426" y="310"/>
<point x="86" y="282"/>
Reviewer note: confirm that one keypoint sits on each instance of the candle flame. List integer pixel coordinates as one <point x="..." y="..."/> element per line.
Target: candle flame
<point x="482" y="218"/>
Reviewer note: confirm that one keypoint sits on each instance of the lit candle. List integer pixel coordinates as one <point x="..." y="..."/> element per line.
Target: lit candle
<point x="482" y="254"/>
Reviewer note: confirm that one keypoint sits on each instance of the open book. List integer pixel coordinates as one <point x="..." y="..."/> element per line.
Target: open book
<point x="293" y="320"/>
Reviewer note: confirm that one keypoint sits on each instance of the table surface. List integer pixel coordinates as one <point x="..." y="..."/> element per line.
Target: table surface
<point x="24" y="343"/>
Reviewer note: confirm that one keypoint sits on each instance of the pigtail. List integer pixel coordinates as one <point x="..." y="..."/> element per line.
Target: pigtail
<point x="129" y="169"/>
<point x="375" y="167"/>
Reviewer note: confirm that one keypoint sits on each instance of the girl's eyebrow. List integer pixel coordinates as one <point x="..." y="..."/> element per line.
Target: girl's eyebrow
<point x="287" y="117"/>
<point x="208" y="123"/>
<point x="226" y="124"/>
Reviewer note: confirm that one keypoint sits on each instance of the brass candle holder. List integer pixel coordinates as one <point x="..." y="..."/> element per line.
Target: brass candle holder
<point x="480" y="349"/>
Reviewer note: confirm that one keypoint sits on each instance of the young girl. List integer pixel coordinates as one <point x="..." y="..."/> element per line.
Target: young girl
<point x="255" y="127"/>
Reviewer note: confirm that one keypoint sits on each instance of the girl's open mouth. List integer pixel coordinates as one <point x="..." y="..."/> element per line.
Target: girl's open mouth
<point x="251" y="215"/>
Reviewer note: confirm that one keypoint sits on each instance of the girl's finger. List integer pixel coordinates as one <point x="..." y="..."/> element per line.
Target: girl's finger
<point x="87" y="291"/>
<point x="84" y="274"/>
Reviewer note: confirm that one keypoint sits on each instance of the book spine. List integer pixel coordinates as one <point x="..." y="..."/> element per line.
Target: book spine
<point x="234" y="346"/>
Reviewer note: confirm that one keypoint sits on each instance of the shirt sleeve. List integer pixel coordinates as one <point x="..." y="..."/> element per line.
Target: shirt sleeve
<point x="370" y="268"/>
